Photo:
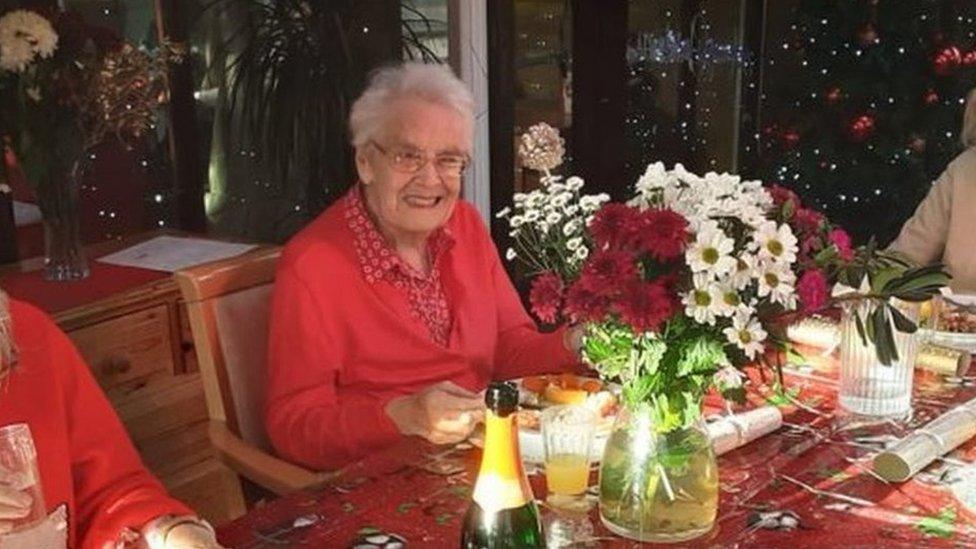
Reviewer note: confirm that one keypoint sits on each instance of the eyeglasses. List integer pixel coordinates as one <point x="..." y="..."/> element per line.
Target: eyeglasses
<point x="411" y="160"/>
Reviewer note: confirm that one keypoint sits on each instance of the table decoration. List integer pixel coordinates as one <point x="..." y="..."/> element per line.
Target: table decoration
<point x="733" y="431"/>
<point x="913" y="452"/>
<point x="943" y="360"/>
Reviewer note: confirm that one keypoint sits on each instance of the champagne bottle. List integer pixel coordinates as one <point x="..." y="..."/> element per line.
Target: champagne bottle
<point x="503" y="514"/>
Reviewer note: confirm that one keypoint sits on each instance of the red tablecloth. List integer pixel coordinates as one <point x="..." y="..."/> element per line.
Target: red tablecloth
<point x="54" y="297"/>
<point x="395" y="491"/>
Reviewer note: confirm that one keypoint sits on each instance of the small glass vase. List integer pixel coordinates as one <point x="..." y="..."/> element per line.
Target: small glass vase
<point x="64" y="254"/>
<point x="867" y="387"/>
<point x="657" y="487"/>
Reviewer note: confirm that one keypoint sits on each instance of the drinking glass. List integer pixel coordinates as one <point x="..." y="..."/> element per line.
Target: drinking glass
<point x="18" y="469"/>
<point x="567" y="432"/>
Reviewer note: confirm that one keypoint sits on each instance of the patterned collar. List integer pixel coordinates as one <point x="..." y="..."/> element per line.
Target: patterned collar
<point x="377" y="259"/>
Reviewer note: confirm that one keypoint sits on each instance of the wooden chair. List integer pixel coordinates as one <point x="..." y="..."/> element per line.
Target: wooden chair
<point x="228" y="303"/>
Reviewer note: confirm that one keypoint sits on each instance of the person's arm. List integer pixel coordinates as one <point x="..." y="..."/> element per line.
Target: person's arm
<point x="115" y="495"/>
<point x="308" y="421"/>
<point x="923" y="237"/>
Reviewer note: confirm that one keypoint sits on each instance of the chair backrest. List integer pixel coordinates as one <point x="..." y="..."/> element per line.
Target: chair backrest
<point x="229" y="303"/>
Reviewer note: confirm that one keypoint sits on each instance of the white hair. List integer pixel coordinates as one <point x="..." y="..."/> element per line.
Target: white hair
<point x="968" y="134"/>
<point x="8" y="355"/>
<point x="430" y="82"/>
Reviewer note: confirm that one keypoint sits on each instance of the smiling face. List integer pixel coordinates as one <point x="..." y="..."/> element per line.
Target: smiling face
<point x="409" y="206"/>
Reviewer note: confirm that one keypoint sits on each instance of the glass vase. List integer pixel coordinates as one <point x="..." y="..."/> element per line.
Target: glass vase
<point x="657" y="487"/>
<point x="867" y="387"/>
<point x="64" y="254"/>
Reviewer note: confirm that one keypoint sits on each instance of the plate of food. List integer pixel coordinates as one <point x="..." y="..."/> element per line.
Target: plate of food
<point x="537" y="393"/>
<point x="951" y="321"/>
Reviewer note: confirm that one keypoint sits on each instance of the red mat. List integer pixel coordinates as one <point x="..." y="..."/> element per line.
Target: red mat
<point x="54" y="297"/>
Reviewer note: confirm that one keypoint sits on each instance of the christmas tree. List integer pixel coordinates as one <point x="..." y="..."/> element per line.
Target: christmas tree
<point x="863" y="103"/>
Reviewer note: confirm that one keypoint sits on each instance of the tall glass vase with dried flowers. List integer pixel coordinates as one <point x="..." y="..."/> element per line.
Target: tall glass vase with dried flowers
<point x="66" y="87"/>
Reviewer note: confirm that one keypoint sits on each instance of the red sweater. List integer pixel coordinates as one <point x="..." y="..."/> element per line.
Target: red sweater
<point x="85" y="458"/>
<point x="341" y="347"/>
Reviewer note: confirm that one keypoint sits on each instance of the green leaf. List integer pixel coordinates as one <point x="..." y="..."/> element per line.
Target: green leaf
<point x="902" y="323"/>
<point x="942" y="525"/>
<point x="880" y="279"/>
<point x="405" y="507"/>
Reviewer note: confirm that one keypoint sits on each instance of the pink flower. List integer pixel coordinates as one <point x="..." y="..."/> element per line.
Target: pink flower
<point x="605" y="271"/>
<point x="612" y="224"/>
<point x="812" y="288"/>
<point x="546" y="296"/>
<point x="782" y="195"/>
<point x="585" y="305"/>
<point x="807" y="220"/>
<point x="645" y="306"/>
<point x="664" y="235"/>
<point x="842" y="240"/>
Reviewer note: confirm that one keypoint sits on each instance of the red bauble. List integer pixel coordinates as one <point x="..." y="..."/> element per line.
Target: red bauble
<point x="930" y="97"/>
<point x="790" y="138"/>
<point x="969" y="58"/>
<point x="917" y="144"/>
<point x="946" y="61"/>
<point x="867" y="35"/>
<point x="861" y="128"/>
<point x="832" y="95"/>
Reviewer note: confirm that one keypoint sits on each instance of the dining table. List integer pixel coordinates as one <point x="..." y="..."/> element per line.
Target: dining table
<point x="810" y="483"/>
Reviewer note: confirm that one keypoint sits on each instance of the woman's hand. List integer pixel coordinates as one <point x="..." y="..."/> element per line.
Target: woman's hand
<point x="190" y="536"/>
<point x="443" y="413"/>
<point x="573" y="338"/>
<point x="14" y="505"/>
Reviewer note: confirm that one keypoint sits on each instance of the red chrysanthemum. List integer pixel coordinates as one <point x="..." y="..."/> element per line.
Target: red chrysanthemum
<point x="585" y="305"/>
<point x="546" y="297"/>
<point x="813" y="291"/>
<point x="807" y="221"/>
<point x="782" y="195"/>
<point x="664" y="234"/>
<point x="612" y="224"/>
<point x="644" y="306"/>
<point x="842" y="241"/>
<point x="607" y="270"/>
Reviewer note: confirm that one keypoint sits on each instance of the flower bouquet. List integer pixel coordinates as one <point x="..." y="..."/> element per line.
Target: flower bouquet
<point x="678" y="287"/>
<point x="66" y="87"/>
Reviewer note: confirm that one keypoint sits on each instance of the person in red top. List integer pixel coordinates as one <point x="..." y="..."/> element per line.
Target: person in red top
<point x="96" y="491"/>
<point x="392" y="309"/>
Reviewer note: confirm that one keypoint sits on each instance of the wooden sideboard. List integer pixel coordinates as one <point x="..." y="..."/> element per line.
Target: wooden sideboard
<point x="140" y="349"/>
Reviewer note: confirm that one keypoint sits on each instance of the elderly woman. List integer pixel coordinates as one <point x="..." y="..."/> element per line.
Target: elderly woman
<point x="392" y="309"/>
<point x="94" y="491"/>
<point x="944" y="225"/>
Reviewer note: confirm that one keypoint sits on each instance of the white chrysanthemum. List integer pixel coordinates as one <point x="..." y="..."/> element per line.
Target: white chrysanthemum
<point x="729" y="377"/>
<point x="710" y="251"/>
<point x="702" y="302"/>
<point x="572" y="227"/>
<point x="582" y="253"/>
<point x="744" y="272"/>
<point x="574" y="183"/>
<point x="504" y="212"/>
<point x="516" y="221"/>
<point x="25" y="35"/>
<point x="510" y="254"/>
<point x="775" y="243"/>
<point x="729" y="301"/>
<point x="553" y="218"/>
<point x="747" y="334"/>
<point x="573" y="244"/>
<point x="776" y="281"/>
<point x="533" y="215"/>
<point x="593" y="202"/>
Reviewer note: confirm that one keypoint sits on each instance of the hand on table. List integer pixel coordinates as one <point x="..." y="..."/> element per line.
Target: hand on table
<point x="443" y="413"/>
<point x="190" y="536"/>
<point x="14" y="505"/>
